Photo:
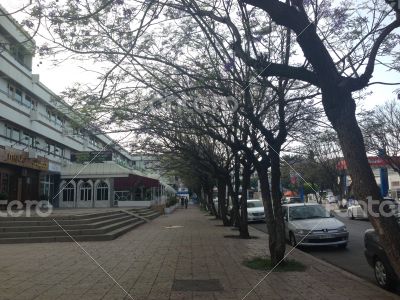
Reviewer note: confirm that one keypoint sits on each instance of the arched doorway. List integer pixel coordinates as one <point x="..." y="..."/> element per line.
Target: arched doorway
<point x="68" y="194"/>
<point x="102" y="194"/>
<point x="85" y="194"/>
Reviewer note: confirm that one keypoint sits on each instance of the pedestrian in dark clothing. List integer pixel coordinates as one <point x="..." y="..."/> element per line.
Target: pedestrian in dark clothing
<point x="182" y="202"/>
<point x="186" y="202"/>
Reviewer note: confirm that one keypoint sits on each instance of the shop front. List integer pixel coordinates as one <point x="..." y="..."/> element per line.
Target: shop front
<point x="105" y="184"/>
<point x="48" y="184"/>
<point x="20" y="175"/>
<point x="136" y="190"/>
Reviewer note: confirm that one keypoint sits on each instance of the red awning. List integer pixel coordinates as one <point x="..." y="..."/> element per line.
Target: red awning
<point x="132" y="181"/>
<point x="374" y="162"/>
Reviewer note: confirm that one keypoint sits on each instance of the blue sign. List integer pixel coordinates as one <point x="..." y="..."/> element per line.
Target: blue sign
<point x="182" y="193"/>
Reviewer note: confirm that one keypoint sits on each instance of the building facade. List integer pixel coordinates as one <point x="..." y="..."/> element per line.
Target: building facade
<point x="41" y="137"/>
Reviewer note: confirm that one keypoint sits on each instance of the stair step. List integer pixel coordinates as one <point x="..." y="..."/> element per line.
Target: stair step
<point x="74" y="232"/>
<point x="53" y="226"/>
<point x="103" y="226"/>
<point x="150" y="215"/>
<point x="64" y="238"/>
<point x="77" y="218"/>
<point x="118" y="232"/>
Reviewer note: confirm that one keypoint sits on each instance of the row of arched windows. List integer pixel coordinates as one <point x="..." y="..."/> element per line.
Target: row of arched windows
<point x="85" y="191"/>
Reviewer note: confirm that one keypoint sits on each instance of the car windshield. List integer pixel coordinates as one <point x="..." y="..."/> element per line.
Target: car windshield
<point x="252" y="204"/>
<point x="308" y="212"/>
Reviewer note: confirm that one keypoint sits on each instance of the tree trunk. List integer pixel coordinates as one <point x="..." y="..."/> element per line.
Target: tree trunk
<point x="276" y="194"/>
<point x="262" y="171"/>
<point x="244" y="228"/>
<point x="222" y="201"/>
<point x="235" y="214"/>
<point x="363" y="180"/>
<point x="211" y="203"/>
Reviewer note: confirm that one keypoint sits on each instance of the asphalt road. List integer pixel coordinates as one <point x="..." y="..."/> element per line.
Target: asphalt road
<point x="352" y="258"/>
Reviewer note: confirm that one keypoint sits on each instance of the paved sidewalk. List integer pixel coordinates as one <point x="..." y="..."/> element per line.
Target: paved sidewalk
<point x="147" y="260"/>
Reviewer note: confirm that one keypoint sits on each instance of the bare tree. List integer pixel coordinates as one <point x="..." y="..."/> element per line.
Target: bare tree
<point x="381" y="129"/>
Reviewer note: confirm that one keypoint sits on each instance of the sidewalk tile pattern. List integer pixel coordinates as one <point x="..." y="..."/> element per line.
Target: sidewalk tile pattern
<point x="147" y="261"/>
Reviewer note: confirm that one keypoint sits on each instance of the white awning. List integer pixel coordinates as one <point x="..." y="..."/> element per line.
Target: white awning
<point x="96" y="170"/>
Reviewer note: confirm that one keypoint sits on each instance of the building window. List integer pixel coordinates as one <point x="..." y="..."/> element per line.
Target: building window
<point x="57" y="151"/>
<point x="15" y="93"/>
<point x="28" y="101"/>
<point x="8" y="132"/>
<point x="47" y="187"/>
<point x="54" y="118"/>
<point x="102" y="191"/>
<point x="28" y="140"/>
<point x="11" y="90"/>
<point x="15" y="135"/>
<point x="48" y="114"/>
<point x="50" y="149"/>
<point x="138" y="194"/>
<point x="59" y="121"/>
<point x="69" y="193"/>
<point x="54" y="150"/>
<point x="148" y="194"/>
<point x="4" y="183"/>
<point x="18" y="53"/>
<point x="86" y="192"/>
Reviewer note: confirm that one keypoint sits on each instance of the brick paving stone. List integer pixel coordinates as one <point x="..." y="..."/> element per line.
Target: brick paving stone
<point x="147" y="260"/>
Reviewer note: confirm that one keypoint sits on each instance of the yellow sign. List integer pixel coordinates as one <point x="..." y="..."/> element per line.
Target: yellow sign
<point x="21" y="158"/>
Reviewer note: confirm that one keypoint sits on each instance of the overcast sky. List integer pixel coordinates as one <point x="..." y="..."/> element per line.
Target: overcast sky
<point x="57" y="78"/>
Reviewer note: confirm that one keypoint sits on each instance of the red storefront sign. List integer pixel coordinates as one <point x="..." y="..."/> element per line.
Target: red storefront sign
<point x="374" y="161"/>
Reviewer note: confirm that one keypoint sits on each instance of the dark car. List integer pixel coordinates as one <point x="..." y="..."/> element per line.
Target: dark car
<point x="384" y="273"/>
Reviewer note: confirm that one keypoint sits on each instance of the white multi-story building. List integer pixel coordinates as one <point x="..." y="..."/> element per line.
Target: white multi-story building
<point x="43" y="141"/>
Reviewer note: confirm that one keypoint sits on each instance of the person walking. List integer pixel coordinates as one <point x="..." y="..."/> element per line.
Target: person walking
<point x="182" y="202"/>
<point x="186" y="202"/>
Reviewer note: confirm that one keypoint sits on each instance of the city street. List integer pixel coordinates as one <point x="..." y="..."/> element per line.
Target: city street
<point x="351" y="259"/>
<point x="183" y="255"/>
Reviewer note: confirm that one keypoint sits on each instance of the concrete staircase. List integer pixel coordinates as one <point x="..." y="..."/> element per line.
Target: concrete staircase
<point x="99" y="226"/>
<point x="144" y="213"/>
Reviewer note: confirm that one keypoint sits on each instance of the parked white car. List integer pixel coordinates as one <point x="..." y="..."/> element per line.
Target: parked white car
<point x="331" y="199"/>
<point x="255" y="210"/>
<point x="310" y="224"/>
<point x="356" y="211"/>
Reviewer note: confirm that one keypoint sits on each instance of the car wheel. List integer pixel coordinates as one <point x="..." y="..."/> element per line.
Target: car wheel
<point x="292" y="239"/>
<point x="381" y="275"/>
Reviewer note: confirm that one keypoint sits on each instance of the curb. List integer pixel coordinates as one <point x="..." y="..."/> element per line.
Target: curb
<point x="336" y="268"/>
